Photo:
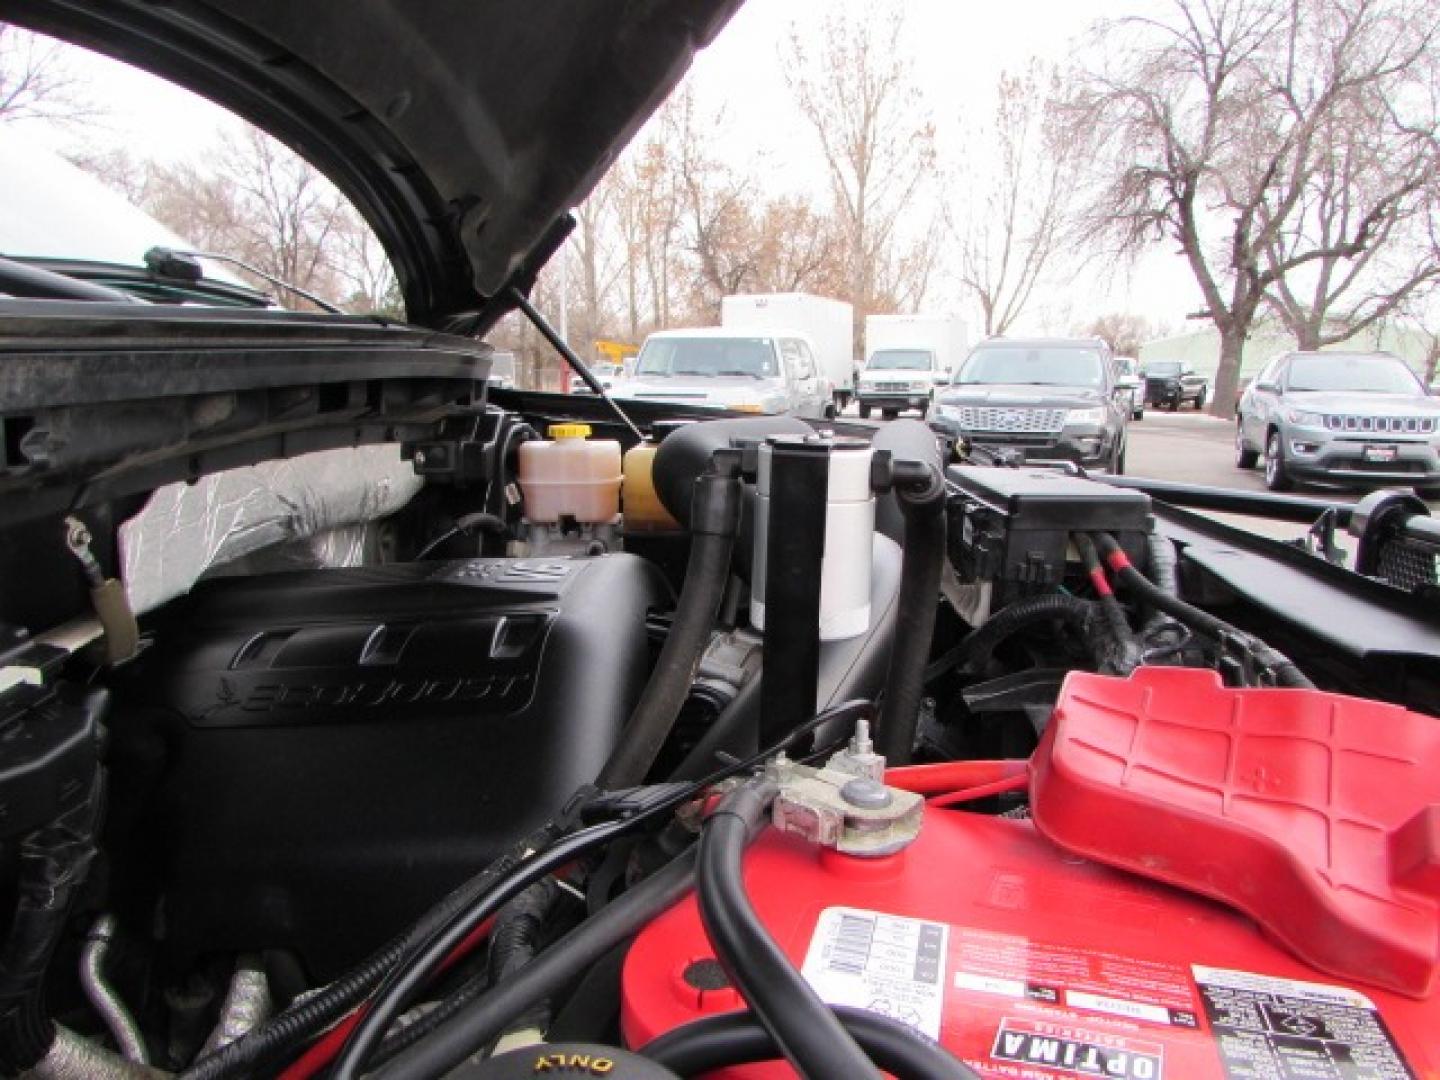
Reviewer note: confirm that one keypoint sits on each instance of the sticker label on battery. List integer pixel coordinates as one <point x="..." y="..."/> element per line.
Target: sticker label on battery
<point x="1078" y="1051"/>
<point x="890" y="965"/>
<point x="1121" y="986"/>
<point x="1292" y="1030"/>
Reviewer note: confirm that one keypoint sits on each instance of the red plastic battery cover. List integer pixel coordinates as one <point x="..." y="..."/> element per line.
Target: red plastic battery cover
<point x="1316" y="814"/>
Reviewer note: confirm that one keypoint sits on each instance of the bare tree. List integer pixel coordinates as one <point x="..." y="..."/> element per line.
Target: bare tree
<point x="798" y="249"/>
<point x="36" y="81"/>
<point x="1207" y="130"/>
<point x="1123" y="331"/>
<point x="715" y="199"/>
<point x="1368" y="163"/>
<point x="1009" y="215"/>
<point x="877" y="141"/>
<point x="363" y="269"/>
<point x="287" y="214"/>
<point x="647" y="210"/>
<point x="595" y="269"/>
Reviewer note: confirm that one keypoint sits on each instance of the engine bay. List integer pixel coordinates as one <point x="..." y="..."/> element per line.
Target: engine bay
<point x="1025" y="780"/>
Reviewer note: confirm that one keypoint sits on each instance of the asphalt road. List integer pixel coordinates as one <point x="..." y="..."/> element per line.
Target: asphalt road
<point x="1191" y="447"/>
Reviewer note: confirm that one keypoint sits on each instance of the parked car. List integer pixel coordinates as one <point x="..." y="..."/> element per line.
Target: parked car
<point x="1047" y="399"/>
<point x="608" y="374"/>
<point x="1170" y="384"/>
<point x="772" y="372"/>
<point x="1338" y="417"/>
<point x="1130" y="381"/>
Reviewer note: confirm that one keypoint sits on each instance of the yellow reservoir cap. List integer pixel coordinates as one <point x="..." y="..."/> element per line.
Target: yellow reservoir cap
<point x="569" y="431"/>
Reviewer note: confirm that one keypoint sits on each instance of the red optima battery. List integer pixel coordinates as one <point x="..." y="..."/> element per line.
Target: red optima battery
<point x="1031" y="962"/>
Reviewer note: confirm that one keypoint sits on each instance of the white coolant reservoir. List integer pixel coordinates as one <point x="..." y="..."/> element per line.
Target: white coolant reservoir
<point x="570" y="475"/>
<point x="849" y="539"/>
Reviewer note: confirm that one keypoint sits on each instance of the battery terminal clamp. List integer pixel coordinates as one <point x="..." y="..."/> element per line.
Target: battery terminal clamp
<point x="845" y="804"/>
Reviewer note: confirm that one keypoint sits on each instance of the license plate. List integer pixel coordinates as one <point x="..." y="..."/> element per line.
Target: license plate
<point x="1381" y="453"/>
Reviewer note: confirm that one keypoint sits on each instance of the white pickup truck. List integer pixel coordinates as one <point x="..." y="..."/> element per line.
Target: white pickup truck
<point x="906" y="358"/>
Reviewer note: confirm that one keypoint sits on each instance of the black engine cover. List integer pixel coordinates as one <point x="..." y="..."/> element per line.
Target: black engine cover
<point x="327" y="753"/>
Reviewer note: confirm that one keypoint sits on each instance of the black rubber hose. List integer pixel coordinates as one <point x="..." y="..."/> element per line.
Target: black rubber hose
<point x="516" y="939"/>
<point x="54" y="862"/>
<point x="730" y="1039"/>
<point x="302" y="1022"/>
<point x="920" y="490"/>
<point x="714" y="521"/>
<point x="1163" y="563"/>
<point x="1284" y="670"/>
<point x="804" y="1028"/>
<point x="976" y="648"/>
<point x="553" y="969"/>
<point x="734" y="732"/>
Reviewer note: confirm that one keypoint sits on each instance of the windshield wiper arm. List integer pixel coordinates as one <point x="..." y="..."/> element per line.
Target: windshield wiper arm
<point x="171" y="263"/>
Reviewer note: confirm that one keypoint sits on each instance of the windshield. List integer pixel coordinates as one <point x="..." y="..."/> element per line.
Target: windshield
<point x="1352" y="374"/>
<point x="897" y="359"/>
<point x="709" y="357"/>
<point x="1163" y="367"/>
<point x="1035" y="365"/>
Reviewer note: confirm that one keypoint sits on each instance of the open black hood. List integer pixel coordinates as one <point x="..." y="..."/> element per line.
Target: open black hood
<point x="462" y="129"/>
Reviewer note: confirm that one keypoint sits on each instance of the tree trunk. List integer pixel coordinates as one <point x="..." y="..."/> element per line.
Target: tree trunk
<point x="1227" y="376"/>
<point x="1307" y="335"/>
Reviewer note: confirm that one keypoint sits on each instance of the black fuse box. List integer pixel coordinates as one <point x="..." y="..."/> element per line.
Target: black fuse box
<point x="1013" y="526"/>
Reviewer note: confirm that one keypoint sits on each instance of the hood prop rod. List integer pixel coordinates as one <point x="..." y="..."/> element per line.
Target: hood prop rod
<point x="576" y="364"/>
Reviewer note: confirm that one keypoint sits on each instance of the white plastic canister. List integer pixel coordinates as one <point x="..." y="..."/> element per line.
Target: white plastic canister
<point x="849" y="540"/>
<point x="570" y="475"/>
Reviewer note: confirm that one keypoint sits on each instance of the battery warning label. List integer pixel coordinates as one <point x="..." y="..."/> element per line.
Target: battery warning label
<point x="1284" y="1029"/>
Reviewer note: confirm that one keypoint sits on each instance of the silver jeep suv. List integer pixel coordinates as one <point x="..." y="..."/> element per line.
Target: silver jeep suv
<point x="1341" y="418"/>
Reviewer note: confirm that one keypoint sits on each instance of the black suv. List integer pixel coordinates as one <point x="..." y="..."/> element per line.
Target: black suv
<point x="1170" y="384"/>
<point x="1049" y="399"/>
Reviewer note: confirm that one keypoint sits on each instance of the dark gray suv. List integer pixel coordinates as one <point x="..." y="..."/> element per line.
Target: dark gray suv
<point x="1049" y="399"/>
<point x="1343" y="418"/>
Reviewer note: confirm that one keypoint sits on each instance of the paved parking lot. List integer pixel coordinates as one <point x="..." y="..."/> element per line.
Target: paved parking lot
<point x="1192" y="447"/>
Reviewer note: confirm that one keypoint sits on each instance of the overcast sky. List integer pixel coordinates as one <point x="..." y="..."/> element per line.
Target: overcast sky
<point x="957" y="51"/>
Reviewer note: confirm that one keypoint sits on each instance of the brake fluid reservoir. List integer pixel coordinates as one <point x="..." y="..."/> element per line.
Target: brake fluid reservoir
<point x="849" y="536"/>
<point x="643" y="509"/>
<point x="570" y="475"/>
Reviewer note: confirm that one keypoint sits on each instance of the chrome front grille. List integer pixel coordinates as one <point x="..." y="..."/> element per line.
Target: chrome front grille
<point x="1012" y="421"/>
<point x="891" y="387"/>
<point x="1382" y="425"/>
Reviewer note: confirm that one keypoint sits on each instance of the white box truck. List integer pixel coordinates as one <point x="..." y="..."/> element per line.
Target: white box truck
<point x="828" y="324"/>
<point x="906" y="358"/>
